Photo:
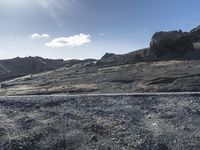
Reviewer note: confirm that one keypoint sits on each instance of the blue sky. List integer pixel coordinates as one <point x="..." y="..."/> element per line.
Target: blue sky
<point x="88" y="28"/>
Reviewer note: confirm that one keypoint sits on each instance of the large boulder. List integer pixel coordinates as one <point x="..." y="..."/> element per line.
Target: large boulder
<point x="169" y="45"/>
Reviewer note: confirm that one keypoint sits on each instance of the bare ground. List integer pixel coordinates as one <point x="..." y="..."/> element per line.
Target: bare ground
<point x="100" y="122"/>
<point x="161" y="76"/>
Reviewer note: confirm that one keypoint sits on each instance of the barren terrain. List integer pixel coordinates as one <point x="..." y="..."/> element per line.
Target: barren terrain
<point x="170" y="64"/>
<point x="101" y="122"/>
<point x="158" y="76"/>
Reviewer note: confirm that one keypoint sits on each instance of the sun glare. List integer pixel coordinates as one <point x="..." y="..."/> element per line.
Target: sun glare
<point x="14" y="3"/>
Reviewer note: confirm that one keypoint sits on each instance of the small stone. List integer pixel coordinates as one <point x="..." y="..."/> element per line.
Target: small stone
<point x="161" y="146"/>
<point x="94" y="138"/>
<point x="185" y="128"/>
<point x="37" y="106"/>
<point x="122" y="142"/>
<point x="149" y="117"/>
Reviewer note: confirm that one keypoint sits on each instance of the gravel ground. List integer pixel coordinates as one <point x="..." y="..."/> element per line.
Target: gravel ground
<point x="100" y="122"/>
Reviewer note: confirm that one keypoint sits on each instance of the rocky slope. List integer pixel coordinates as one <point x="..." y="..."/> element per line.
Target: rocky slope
<point x="171" y="63"/>
<point x="158" y="76"/>
<point x="12" y="68"/>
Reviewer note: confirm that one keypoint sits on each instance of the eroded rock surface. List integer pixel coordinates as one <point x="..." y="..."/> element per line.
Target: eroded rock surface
<point x="169" y="45"/>
<point x="177" y="45"/>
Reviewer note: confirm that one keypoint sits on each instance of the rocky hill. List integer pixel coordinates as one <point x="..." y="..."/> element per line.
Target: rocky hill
<point x="171" y="63"/>
<point x="164" y="46"/>
<point x="12" y="68"/>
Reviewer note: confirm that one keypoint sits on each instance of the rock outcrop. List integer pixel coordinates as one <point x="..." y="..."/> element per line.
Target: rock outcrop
<point x="164" y="45"/>
<point x="174" y="45"/>
<point x="169" y="45"/>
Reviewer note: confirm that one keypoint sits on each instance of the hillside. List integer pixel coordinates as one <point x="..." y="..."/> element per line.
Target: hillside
<point x="17" y="67"/>
<point x="171" y="63"/>
<point x="11" y="68"/>
<point x="140" y="77"/>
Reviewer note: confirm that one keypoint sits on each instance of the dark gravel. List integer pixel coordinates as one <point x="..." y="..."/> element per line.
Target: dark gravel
<point x="112" y="122"/>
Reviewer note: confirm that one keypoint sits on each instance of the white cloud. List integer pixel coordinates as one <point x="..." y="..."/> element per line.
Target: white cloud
<point x="35" y="36"/>
<point x="101" y="34"/>
<point x="76" y="40"/>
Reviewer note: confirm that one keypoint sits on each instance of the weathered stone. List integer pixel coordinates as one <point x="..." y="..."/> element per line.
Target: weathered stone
<point x="161" y="146"/>
<point x="169" y="45"/>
